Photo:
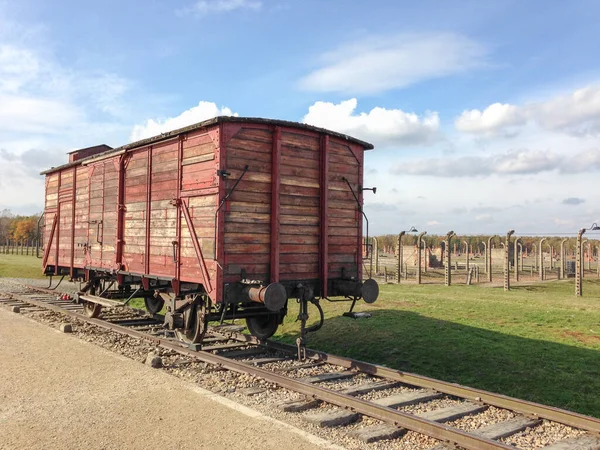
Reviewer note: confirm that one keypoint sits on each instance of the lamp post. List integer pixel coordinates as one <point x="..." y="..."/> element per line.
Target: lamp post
<point x="419" y="237"/>
<point x="448" y="277"/>
<point x="578" y="267"/>
<point x="561" y="271"/>
<point x="489" y="257"/>
<point x="507" y="260"/>
<point x="401" y="251"/>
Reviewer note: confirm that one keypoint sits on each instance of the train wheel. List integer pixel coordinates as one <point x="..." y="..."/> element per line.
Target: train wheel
<point x="154" y="304"/>
<point x="92" y="309"/>
<point x="263" y="327"/>
<point x="195" y="324"/>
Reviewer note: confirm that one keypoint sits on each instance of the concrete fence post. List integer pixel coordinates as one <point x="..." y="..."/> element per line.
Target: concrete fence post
<point x="419" y="238"/>
<point x="489" y="258"/>
<point x="542" y="259"/>
<point x="448" y="271"/>
<point x="578" y="268"/>
<point x="400" y="255"/>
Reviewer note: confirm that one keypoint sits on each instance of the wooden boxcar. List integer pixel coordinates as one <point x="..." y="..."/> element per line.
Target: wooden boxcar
<point x="226" y="218"/>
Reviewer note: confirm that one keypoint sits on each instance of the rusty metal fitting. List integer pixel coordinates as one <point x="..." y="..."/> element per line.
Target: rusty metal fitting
<point x="272" y="296"/>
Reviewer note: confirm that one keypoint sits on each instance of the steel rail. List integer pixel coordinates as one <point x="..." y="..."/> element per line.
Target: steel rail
<point x="400" y="419"/>
<point x="489" y="398"/>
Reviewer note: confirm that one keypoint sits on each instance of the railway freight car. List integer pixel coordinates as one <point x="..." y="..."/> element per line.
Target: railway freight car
<point x="228" y="218"/>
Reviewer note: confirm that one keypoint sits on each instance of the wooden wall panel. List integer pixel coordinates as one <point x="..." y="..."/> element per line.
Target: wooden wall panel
<point x="134" y="223"/>
<point x="51" y="210"/>
<point x="345" y="220"/>
<point x="199" y="182"/>
<point x="248" y="211"/>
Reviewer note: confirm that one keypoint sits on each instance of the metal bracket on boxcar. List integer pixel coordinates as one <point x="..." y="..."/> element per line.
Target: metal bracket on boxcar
<point x="305" y="295"/>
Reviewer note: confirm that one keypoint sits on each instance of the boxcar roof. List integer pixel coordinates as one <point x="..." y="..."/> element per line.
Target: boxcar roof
<point x="213" y="121"/>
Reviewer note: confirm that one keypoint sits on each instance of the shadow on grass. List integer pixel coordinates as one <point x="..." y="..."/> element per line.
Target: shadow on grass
<point x="545" y="372"/>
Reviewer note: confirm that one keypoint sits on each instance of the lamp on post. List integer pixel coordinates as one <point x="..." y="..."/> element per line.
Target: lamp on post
<point x="578" y="266"/>
<point x="400" y="250"/>
<point x="419" y="237"/>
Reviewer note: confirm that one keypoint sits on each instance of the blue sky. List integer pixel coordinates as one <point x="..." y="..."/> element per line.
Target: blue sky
<point x="485" y="115"/>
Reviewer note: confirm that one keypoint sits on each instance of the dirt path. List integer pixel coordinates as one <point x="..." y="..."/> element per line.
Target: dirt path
<point x="58" y="392"/>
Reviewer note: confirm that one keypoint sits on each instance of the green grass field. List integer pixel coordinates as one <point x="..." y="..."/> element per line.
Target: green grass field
<point x="537" y="342"/>
<point x="20" y="266"/>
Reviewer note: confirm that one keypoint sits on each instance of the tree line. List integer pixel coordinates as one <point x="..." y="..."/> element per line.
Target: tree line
<point x="17" y="228"/>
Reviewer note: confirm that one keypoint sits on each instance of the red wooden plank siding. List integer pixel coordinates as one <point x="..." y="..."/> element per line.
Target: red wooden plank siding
<point x="135" y="217"/>
<point x="300" y="199"/>
<point x="199" y="191"/>
<point x="345" y="220"/>
<point x="163" y="217"/>
<point x="359" y="217"/>
<point x="275" y="206"/>
<point x="51" y="209"/>
<point x="108" y="229"/>
<point x="81" y="210"/>
<point x="247" y="220"/>
<point x="324" y="230"/>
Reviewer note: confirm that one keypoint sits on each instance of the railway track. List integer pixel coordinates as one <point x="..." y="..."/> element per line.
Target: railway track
<point x="338" y="391"/>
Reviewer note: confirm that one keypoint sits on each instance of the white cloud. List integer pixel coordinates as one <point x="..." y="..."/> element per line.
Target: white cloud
<point x="494" y="117"/>
<point x="17" y="67"/>
<point x="204" y="111"/>
<point x="19" y="113"/>
<point x="205" y="7"/>
<point x="577" y="113"/>
<point x="433" y="223"/>
<point x="381" y="126"/>
<point x="515" y="162"/>
<point x="381" y="63"/>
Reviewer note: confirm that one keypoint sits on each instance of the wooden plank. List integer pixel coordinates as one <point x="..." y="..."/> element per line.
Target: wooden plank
<point x="452" y="412"/>
<point x="507" y="428"/>
<point x="329" y="376"/>
<point x="583" y="442"/>
<point x="360" y="389"/>
<point x="376" y="433"/>
<point x="407" y="398"/>
<point x="335" y="418"/>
